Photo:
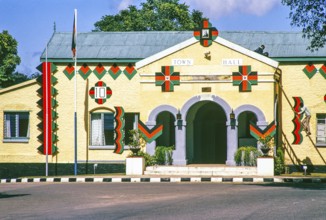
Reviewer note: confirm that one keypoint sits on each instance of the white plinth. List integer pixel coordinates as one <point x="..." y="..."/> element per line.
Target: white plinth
<point x="265" y="166"/>
<point x="135" y="166"/>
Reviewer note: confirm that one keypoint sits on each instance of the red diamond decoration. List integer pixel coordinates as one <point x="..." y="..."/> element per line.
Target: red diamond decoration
<point x="84" y="71"/>
<point x="69" y="71"/>
<point x="130" y="71"/>
<point x="115" y="71"/>
<point x="99" y="71"/>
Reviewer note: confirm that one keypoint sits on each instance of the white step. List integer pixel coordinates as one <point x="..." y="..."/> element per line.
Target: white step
<point x="201" y="170"/>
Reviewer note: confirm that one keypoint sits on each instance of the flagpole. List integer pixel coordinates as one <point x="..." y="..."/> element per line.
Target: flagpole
<point x="75" y="115"/>
<point x="47" y="116"/>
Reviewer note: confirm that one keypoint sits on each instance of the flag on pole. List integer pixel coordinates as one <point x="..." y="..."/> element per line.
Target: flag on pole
<point x="74" y="37"/>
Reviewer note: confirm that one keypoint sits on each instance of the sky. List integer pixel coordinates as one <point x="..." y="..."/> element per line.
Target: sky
<point x="31" y="22"/>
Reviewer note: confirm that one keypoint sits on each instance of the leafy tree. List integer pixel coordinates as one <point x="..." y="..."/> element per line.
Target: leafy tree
<point x="17" y="78"/>
<point x="8" y="57"/>
<point x="311" y="16"/>
<point x="154" y="15"/>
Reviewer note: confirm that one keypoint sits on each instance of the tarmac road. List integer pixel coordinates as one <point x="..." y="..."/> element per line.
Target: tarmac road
<point x="162" y="201"/>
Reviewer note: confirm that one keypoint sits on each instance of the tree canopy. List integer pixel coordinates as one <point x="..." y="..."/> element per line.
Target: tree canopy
<point x="8" y="57"/>
<point x="154" y="15"/>
<point x="311" y="16"/>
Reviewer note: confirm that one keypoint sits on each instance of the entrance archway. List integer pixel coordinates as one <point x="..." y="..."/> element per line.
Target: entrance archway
<point x="206" y="133"/>
<point x="244" y="136"/>
<point x="168" y="136"/>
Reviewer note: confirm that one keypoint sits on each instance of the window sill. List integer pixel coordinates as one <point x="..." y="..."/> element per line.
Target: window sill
<point x="107" y="147"/>
<point x="320" y="145"/>
<point x="18" y="140"/>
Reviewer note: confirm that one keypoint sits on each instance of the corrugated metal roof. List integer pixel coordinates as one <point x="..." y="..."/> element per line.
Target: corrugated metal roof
<point x="139" y="45"/>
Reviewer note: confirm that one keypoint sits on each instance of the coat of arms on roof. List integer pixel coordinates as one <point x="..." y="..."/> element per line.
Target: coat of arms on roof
<point x="206" y="33"/>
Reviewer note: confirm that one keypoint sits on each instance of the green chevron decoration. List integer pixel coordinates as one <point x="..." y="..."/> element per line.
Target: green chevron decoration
<point x="310" y="70"/>
<point x="119" y="130"/>
<point x="99" y="71"/>
<point x="298" y="127"/>
<point x="100" y="92"/>
<point x="150" y="134"/>
<point x="167" y="79"/>
<point x="84" y="71"/>
<point x="258" y="133"/>
<point x="48" y="114"/>
<point x="322" y="70"/>
<point x="245" y="78"/>
<point x="69" y="71"/>
<point x="130" y="71"/>
<point x="206" y="33"/>
<point x="115" y="71"/>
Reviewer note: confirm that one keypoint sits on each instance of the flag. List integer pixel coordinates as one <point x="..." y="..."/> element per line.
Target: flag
<point x="74" y="37"/>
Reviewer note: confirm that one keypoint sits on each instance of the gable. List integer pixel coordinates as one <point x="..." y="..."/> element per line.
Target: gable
<point x="219" y="40"/>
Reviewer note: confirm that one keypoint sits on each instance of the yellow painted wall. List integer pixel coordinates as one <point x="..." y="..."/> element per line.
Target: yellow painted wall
<point x="21" y="98"/>
<point x="312" y="91"/>
<point x="136" y="95"/>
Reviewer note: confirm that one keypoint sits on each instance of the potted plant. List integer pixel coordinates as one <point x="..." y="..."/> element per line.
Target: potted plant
<point x="265" y="163"/>
<point x="136" y="141"/>
<point x="135" y="162"/>
<point x="266" y="145"/>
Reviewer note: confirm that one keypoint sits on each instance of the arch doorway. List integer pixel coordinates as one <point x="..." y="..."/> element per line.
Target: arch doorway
<point x="206" y="134"/>
<point x="168" y="136"/>
<point x="244" y="136"/>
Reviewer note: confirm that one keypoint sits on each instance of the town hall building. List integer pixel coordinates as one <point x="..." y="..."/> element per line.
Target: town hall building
<point x="205" y="92"/>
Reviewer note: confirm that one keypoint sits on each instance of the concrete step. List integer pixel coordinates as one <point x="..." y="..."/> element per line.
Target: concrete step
<point x="201" y="170"/>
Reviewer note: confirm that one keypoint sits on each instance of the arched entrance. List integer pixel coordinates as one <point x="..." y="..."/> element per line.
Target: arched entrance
<point x="167" y="138"/>
<point x="206" y="133"/>
<point x="244" y="136"/>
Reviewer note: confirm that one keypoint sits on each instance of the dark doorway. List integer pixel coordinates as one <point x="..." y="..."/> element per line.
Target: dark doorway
<point x="208" y="126"/>
<point x="245" y="138"/>
<point x="168" y="136"/>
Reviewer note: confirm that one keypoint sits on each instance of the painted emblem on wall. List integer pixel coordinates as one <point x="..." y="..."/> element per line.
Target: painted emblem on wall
<point x="84" y="71"/>
<point x="99" y="71"/>
<point x="100" y="92"/>
<point x="119" y="129"/>
<point x="257" y="133"/>
<point x="298" y="138"/>
<point x="115" y="71"/>
<point x="167" y="79"/>
<point x="150" y="134"/>
<point x="206" y="33"/>
<point x="69" y="71"/>
<point x="130" y="71"/>
<point x="310" y="70"/>
<point x="245" y="78"/>
<point x="322" y="70"/>
<point x="48" y="114"/>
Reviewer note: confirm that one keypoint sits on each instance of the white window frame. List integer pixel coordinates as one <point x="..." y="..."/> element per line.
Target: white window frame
<point x="109" y="147"/>
<point x="7" y="138"/>
<point x="321" y="129"/>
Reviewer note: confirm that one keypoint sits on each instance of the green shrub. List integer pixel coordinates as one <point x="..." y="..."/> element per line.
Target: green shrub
<point x="149" y="160"/>
<point x="244" y="159"/>
<point x="279" y="167"/>
<point x="163" y="155"/>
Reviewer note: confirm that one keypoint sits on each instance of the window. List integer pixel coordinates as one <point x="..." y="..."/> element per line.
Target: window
<point x="16" y="126"/>
<point x="102" y="129"/>
<point x="130" y="119"/>
<point x="321" y="129"/>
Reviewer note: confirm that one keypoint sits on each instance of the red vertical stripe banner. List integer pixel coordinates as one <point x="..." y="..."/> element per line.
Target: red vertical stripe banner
<point x="47" y="108"/>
